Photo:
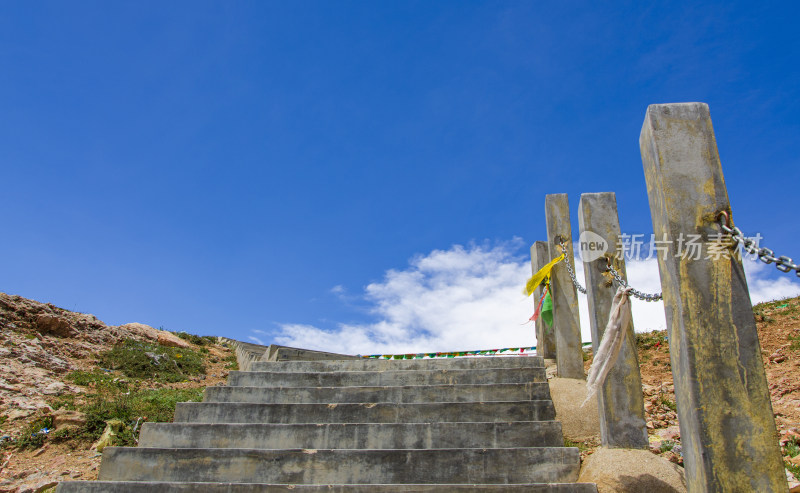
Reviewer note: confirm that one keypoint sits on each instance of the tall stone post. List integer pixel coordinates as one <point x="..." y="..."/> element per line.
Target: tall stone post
<point x="727" y="426"/>
<point x="622" y="421"/>
<point x="545" y="338"/>
<point x="566" y="320"/>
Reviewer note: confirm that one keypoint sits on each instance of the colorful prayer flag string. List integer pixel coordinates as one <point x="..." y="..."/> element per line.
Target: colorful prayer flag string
<point x="451" y="354"/>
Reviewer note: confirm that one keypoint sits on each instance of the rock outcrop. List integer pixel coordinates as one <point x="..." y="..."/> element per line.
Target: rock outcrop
<point x="40" y="342"/>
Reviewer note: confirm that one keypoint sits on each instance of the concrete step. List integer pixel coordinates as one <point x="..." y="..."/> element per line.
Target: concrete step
<point x="152" y="486"/>
<point x="286" y="353"/>
<point x="364" y="364"/>
<point x="447" y="412"/>
<point x="386" y="378"/>
<point x="310" y="466"/>
<point x="353" y="436"/>
<point x="404" y="394"/>
<point x="357" y="425"/>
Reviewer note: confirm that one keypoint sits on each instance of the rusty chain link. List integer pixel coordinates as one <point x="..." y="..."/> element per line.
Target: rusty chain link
<point x="782" y="263"/>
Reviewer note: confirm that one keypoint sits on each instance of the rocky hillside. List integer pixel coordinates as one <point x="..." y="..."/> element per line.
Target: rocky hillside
<point x="66" y="378"/>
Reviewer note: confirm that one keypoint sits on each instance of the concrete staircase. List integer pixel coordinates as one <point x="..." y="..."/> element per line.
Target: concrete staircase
<point x="444" y="425"/>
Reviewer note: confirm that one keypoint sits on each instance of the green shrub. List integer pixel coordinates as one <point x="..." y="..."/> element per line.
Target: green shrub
<point x="794" y="339"/>
<point x="792" y="449"/>
<point x="647" y="340"/>
<point x="138" y="359"/>
<point x="580" y="445"/>
<point x="783" y="305"/>
<point x="231" y="362"/>
<point x="770" y="305"/>
<point x="667" y="402"/>
<point x="667" y="445"/>
<point x="66" y="401"/>
<point x="156" y="405"/>
<point x="762" y="317"/>
<point x="196" y="340"/>
<point x="34" y="434"/>
<point x="109" y="396"/>
<point x="64" y="434"/>
<point x="86" y="378"/>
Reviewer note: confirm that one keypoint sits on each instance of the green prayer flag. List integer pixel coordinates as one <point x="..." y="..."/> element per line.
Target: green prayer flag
<point x="547" y="311"/>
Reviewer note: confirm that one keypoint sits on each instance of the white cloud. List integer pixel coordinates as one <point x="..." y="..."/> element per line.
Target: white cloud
<point x="470" y="298"/>
<point x="256" y="340"/>
<point x="457" y="299"/>
<point x="763" y="288"/>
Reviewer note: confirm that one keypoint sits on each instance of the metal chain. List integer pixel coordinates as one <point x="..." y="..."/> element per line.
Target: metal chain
<point x="782" y="263"/>
<point x="634" y="292"/>
<point x="617" y="277"/>
<point x="569" y="269"/>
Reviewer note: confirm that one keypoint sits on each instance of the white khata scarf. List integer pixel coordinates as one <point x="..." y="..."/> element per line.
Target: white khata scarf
<point x="618" y="320"/>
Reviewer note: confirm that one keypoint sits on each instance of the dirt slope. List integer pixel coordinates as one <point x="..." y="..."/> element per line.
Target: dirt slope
<point x="50" y="374"/>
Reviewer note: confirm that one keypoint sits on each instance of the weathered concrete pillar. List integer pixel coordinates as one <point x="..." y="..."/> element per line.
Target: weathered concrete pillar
<point x="545" y="338"/>
<point x="622" y="422"/>
<point x="727" y="426"/>
<point x="566" y="321"/>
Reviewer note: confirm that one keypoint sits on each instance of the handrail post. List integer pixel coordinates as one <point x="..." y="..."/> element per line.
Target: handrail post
<point x="620" y="401"/>
<point x="545" y="340"/>
<point x="727" y="427"/>
<point x="566" y="319"/>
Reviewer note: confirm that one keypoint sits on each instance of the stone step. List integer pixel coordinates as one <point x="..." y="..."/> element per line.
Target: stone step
<point x="159" y="487"/>
<point x="403" y="364"/>
<point x="405" y="394"/>
<point x="386" y="378"/>
<point x="311" y="466"/>
<point x="286" y="353"/>
<point x="353" y="436"/>
<point x="384" y="412"/>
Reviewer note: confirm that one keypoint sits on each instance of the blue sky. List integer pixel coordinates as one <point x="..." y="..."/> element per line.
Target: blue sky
<point x="311" y="168"/>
